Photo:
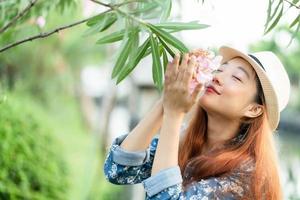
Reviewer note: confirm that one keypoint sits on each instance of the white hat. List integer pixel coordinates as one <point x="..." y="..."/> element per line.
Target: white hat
<point x="273" y="78"/>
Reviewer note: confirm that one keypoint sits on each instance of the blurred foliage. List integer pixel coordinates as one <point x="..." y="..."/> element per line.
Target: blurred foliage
<point x="288" y="55"/>
<point x="133" y="27"/>
<point x="276" y="10"/>
<point x="27" y="24"/>
<point x="32" y="166"/>
<point x="129" y="18"/>
<point x="47" y="73"/>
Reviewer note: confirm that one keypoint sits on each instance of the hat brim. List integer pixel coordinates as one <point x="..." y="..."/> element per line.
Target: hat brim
<point x="269" y="93"/>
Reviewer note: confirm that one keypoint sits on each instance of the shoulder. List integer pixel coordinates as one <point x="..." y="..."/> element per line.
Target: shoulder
<point x="247" y="166"/>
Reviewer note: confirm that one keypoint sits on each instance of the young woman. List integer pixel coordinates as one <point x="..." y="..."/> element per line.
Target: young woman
<point x="227" y="149"/>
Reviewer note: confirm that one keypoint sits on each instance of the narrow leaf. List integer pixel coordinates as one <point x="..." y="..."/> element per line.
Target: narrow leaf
<point x="165" y="60"/>
<point x="268" y="13"/>
<point x="148" y="51"/>
<point x="275" y="21"/>
<point x="122" y="58"/>
<point x="146" y="8"/>
<point x="96" y="19"/>
<point x="170" y="51"/>
<point x="130" y="67"/>
<point x="113" y="37"/>
<point x="274" y="14"/>
<point x="167" y="10"/>
<point x="296" y="20"/>
<point x="169" y="38"/>
<point x="103" y="23"/>
<point x="178" y="26"/>
<point x="156" y="64"/>
<point x="134" y="45"/>
<point x="109" y="20"/>
<point x="294" y="34"/>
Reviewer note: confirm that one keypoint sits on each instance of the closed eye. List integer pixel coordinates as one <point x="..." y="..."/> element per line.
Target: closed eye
<point x="237" y="78"/>
<point x="217" y="70"/>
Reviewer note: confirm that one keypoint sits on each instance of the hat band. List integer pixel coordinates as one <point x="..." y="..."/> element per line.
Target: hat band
<point x="256" y="60"/>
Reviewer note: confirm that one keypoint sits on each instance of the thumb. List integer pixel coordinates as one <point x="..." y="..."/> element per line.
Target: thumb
<point x="196" y="91"/>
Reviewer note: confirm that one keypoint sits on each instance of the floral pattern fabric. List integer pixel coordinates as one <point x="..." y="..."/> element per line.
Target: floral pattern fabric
<point x="123" y="167"/>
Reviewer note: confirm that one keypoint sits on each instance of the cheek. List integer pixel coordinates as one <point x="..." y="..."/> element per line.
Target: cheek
<point x="231" y="102"/>
<point x="235" y="99"/>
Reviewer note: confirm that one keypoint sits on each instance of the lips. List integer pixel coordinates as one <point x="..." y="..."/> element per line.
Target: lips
<point x="214" y="89"/>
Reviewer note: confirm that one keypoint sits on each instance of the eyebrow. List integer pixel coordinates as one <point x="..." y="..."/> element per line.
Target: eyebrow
<point x="239" y="67"/>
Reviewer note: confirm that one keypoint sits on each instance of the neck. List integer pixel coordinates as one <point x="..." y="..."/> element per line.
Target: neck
<point x="219" y="130"/>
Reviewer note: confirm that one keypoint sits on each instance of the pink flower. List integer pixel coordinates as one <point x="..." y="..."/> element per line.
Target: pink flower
<point x="206" y="63"/>
<point x="41" y="21"/>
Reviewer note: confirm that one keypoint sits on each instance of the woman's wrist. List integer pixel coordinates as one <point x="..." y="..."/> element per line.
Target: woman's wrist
<point x="173" y="114"/>
<point x="173" y="118"/>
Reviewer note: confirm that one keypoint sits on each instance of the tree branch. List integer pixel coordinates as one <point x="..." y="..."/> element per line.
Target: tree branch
<point x="21" y="14"/>
<point x="46" y="34"/>
<point x="101" y="3"/>
<point x="292" y="4"/>
<point x="116" y="8"/>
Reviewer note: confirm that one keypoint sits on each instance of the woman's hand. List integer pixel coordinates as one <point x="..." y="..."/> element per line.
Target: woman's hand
<point x="176" y="97"/>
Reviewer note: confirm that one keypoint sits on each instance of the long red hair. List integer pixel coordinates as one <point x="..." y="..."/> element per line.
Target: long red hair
<point x="257" y="144"/>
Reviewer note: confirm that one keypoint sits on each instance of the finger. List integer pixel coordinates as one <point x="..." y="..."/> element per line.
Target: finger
<point x="196" y="91"/>
<point x="176" y="66"/>
<point x="182" y="67"/>
<point x="172" y="68"/>
<point x="168" y="73"/>
<point x="188" y="73"/>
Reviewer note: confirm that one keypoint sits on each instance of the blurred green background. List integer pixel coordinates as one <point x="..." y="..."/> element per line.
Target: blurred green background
<point x="59" y="110"/>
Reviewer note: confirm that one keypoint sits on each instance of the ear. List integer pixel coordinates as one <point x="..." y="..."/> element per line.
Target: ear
<point x="253" y="110"/>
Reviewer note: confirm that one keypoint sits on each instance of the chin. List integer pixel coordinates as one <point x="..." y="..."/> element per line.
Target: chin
<point x="208" y="104"/>
<point x="205" y="103"/>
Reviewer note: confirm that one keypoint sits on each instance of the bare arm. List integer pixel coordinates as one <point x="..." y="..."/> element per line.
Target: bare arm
<point x="176" y="103"/>
<point x="167" y="148"/>
<point x="140" y="137"/>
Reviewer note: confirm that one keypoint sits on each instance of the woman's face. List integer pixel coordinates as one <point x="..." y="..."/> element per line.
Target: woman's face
<point x="235" y="87"/>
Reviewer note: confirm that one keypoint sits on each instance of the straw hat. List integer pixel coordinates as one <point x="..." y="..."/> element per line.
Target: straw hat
<point x="273" y="78"/>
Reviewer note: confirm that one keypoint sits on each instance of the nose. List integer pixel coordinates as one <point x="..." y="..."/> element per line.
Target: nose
<point x="217" y="79"/>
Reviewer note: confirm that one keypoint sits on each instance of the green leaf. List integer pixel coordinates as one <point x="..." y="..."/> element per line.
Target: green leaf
<point x="280" y="2"/>
<point x="135" y="44"/>
<point x="294" y="34"/>
<point x="294" y="2"/>
<point x="122" y="58"/>
<point x="178" y="26"/>
<point x="148" y="51"/>
<point x="113" y="37"/>
<point x="165" y="60"/>
<point x="167" y="10"/>
<point x="109" y="20"/>
<point x="156" y="64"/>
<point x="100" y="18"/>
<point x="130" y="67"/>
<point x="146" y="8"/>
<point x="95" y="19"/>
<point x="170" y="51"/>
<point x="103" y="23"/>
<point x="169" y="38"/>
<point x="296" y="20"/>
<point x="268" y="13"/>
<point x="276" y="20"/>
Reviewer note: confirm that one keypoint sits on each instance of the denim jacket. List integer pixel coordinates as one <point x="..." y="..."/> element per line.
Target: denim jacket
<point x="124" y="167"/>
